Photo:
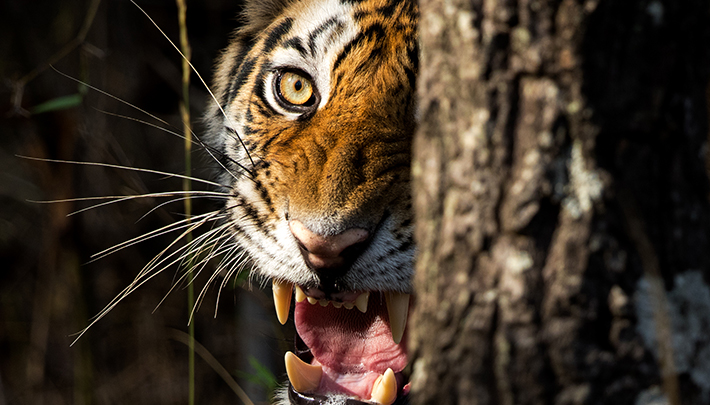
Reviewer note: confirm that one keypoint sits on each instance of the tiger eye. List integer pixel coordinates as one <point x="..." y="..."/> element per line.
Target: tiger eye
<point x="295" y="89"/>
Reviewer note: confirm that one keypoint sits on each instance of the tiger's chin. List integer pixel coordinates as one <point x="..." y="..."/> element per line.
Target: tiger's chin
<point x="349" y="349"/>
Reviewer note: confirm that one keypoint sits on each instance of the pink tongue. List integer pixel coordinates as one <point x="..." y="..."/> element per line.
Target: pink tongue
<point x="353" y="348"/>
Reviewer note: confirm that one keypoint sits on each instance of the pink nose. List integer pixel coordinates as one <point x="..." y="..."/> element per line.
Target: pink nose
<point x="325" y="251"/>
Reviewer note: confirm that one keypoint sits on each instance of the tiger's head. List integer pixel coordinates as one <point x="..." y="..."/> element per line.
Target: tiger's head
<point x="314" y="128"/>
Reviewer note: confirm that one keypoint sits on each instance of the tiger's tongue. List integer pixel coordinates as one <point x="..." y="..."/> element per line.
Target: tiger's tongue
<point x="353" y="348"/>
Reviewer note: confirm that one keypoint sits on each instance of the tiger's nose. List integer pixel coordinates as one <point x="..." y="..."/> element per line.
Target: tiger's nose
<point x="328" y="252"/>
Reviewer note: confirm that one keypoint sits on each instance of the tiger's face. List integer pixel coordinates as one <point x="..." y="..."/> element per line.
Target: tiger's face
<point x="314" y="128"/>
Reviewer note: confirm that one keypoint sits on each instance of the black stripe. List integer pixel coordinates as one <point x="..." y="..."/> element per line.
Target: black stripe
<point x="276" y="34"/>
<point x="248" y="130"/>
<point x="411" y="77"/>
<point x="413" y="54"/>
<point x="405" y="246"/>
<point x="374" y="32"/>
<point x="265" y="197"/>
<point x="246" y="44"/>
<point x="248" y="212"/>
<point x="295" y="43"/>
<point x="269" y="141"/>
<point x="265" y="109"/>
<point x="246" y="68"/>
<point x="245" y="71"/>
<point x="346" y="50"/>
<point x="316" y="32"/>
<point x="388" y="11"/>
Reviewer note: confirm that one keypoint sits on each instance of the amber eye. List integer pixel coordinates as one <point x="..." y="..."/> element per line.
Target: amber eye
<point x="296" y="89"/>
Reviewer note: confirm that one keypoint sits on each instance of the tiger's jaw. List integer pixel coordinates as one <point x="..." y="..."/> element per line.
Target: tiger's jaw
<point x="351" y="346"/>
<point x="351" y="314"/>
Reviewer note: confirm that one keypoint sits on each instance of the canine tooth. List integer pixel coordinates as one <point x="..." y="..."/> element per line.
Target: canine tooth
<point x="303" y="376"/>
<point x="384" y="391"/>
<point x="349" y="305"/>
<point x="300" y="295"/>
<point x="282" y="299"/>
<point x="397" y="308"/>
<point x="312" y="300"/>
<point x="323" y="302"/>
<point x="361" y="302"/>
<point x="337" y="304"/>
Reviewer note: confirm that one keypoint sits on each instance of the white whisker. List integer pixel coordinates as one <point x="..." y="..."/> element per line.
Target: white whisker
<point x="219" y="251"/>
<point x="185" y="223"/>
<point x="128" y="197"/>
<point x="190" y="249"/>
<point x="236" y="267"/>
<point x="117" y="199"/>
<point x="146" y="273"/>
<point x="206" y="147"/>
<point x="209" y="149"/>
<point x="160" y="258"/>
<point x="137" y="169"/>
<point x="177" y="200"/>
<point x="198" y="75"/>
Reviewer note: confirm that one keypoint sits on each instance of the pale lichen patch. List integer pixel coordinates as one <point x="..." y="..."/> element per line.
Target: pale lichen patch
<point x="585" y="184"/>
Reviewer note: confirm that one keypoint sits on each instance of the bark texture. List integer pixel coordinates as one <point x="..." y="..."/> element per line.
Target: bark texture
<point x="563" y="203"/>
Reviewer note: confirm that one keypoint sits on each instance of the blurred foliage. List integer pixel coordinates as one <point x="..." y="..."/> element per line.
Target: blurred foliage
<point x="57" y="104"/>
<point x="49" y="286"/>
<point x="260" y="375"/>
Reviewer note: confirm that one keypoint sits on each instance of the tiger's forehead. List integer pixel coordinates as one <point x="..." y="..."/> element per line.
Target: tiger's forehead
<point x="319" y="14"/>
<point x="307" y="27"/>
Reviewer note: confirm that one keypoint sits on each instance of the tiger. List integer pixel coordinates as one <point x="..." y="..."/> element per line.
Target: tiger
<point x="312" y="128"/>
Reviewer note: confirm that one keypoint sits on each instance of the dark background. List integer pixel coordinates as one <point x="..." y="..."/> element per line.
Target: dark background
<point x="49" y="290"/>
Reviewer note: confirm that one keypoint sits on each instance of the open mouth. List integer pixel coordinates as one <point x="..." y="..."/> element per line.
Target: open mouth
<point x="351" y="347"/>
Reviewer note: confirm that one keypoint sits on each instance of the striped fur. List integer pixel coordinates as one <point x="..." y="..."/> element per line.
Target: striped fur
<point x="342" y="163"/>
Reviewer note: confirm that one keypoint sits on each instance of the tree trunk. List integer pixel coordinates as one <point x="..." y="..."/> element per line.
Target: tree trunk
<point x="563" y="204"/>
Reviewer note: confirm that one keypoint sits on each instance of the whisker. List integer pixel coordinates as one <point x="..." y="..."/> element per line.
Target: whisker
<point x="225" y="196"/>
<point x="116" y="199"/>
<point x="137" y="169"/>
<point x="143" y="276"/>
<point x="223" y="233"/>
<point x="215" y="252"/>
<point x="131" y="196"/>
<point x="205" y="146"/>
<point x="189" y="250"/>
<point x="208" y="148"/>
<point x="208" y="244"/>
<point x="198" y="75"/>
<point x="147" y="236"/>
<point x="107" y="94"/>
<point x="236" y="266"/>
<point x="161" y="258"/>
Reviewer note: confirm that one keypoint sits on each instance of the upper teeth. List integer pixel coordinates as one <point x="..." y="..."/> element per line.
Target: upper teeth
<point x="397" y="308"/>
<point x="282" y="299"/>
<point x="397" y="305"/>
<point x="360" y="301"/>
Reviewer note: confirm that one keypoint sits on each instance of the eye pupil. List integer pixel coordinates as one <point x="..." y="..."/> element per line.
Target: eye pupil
<point x="298" y="85"/>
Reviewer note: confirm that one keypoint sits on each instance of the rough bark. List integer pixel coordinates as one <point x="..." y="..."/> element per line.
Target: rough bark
<point x="562" y="201"/>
